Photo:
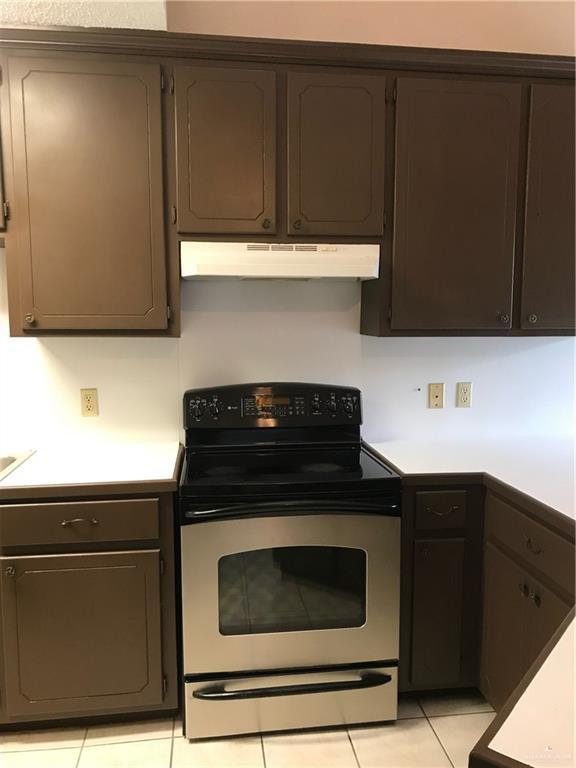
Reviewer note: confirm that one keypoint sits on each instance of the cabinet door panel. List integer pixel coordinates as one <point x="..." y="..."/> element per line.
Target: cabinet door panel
<point x="226" y="149"/>
<point x="546" y="611"/>
<point x="81" y="632"/>
<point x="549" y="244"/>
<point x="437" y="611"/>
<point x="88" y="220"/>
<point x="504" y="636"/>
<point x="335" y="154"/>
<point x="455" y="204"/>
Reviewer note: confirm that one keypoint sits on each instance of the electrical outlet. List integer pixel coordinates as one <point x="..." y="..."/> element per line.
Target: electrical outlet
<point x="464" y="394"/>
<point x="436" y="395"/>
<point x="89" y="402"/>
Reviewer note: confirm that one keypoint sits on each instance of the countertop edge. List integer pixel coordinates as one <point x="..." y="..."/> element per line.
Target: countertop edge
<point x="128" y="487"/>
<point x="484" y="757"/>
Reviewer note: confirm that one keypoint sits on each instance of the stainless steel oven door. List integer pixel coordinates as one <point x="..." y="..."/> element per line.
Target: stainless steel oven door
<point x="290" y="591"/>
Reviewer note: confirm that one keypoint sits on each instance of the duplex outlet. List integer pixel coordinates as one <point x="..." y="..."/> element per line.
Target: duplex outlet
<point x="89" y="402"/>
<point x="464" y="394"/>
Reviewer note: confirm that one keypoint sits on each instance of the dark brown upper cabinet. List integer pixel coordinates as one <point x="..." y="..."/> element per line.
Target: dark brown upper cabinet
<point x="455" y="204"/>
<point x="226" y="150"/>
<point x="549" y="246"/>
<point x="81" y="632"/>
<point x="336" y="154"/>
<point x="87" y="230"/>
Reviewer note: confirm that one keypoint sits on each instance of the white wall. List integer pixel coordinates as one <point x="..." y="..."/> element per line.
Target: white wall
<point x="250" y="331"/>
<point x="139" y="14"/>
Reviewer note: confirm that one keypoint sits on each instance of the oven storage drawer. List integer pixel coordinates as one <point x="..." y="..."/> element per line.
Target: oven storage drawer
<point x="224" y="707"/>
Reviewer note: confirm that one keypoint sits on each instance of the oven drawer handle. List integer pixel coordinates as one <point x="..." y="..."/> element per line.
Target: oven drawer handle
<point x="219" y="692"/>
<point x="314" y="505"/>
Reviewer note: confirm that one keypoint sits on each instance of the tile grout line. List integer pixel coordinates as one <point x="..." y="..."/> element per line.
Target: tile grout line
<point x="82" y="746"/>
<point x="440" y="742"/>
<point x="172" y="744"/>
<point x="263" y="750"/>
<point x="353" y="748"/>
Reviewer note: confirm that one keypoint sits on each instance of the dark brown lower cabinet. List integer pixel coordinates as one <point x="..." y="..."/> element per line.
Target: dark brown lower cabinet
<point x="437" y="618"/>
<point x="440" y="588"/>
<point x="81" y="632"/>
<point x="528" y="591"/>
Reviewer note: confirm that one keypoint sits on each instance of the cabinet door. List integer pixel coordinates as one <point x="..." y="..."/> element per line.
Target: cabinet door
<point x="88" y="204"/>
<point x="81" y="632"/>
<point x="437" y="612"/>
<point x="455" y="204"/>
<point x="546" y="611"/>
<point x="226" y="150"/>
<point x="549" y="246"/>
<point x="335" y="154"/>
<point x="504" y="626"/>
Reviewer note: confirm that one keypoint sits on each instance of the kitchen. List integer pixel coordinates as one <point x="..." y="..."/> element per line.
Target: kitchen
<point x="508" y="455"/>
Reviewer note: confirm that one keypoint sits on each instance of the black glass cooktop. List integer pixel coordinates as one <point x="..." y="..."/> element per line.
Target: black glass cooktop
<point x="283" y="470"/>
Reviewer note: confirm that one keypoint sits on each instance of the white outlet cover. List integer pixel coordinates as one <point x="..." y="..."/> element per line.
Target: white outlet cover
<point x="464" y="394"/>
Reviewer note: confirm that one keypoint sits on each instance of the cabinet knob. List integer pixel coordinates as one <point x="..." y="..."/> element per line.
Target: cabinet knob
<point x="297" y="224"/>
<point x="535" y="599"/>
<point x="533" y="319"/>
<point x="503" y="317"/>
<point x="523" y="590"/>
<point x="266" y="224"/>
<point x="10" y="571"/>
<point x="531" y="546"/>
<point x="29" y="319"/>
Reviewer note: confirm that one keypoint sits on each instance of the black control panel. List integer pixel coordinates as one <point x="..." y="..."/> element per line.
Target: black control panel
<point x="272" y="405"/>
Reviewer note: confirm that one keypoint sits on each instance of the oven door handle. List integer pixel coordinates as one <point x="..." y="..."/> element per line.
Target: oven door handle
<point x="314" y="506"/>
<point x="219" y="692"/>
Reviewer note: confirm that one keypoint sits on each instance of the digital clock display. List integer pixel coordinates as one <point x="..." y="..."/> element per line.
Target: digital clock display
<point x="263" y="402"/>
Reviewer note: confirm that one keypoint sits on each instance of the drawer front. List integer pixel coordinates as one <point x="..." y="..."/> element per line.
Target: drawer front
<point x="440" y="509"/>
<point x="285" y="702"/>
<point x="533" y="543"/>
<point x="79" y="522"/>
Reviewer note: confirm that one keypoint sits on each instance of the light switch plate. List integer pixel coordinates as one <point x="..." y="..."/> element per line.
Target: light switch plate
<point x="89" y="402"/>
<point x="436" y="395"/>
<point x="464" y="394"/>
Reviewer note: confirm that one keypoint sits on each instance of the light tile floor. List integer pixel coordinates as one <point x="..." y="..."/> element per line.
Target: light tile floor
<point x="431" y="732"/>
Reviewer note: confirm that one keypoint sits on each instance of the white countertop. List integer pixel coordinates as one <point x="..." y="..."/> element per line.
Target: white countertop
<point x="95" y="462"/>
<point x="540" y="467"/>
<point x="540" y="729"/>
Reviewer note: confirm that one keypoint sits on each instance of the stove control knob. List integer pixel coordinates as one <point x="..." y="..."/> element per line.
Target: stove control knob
<point x="214" y="409"/>
<point x="195" y="410"/>
<point x="331" y="405"/>
<point x="348" y="407"/>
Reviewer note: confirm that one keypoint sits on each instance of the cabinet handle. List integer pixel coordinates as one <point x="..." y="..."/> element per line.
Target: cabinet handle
<point x="531" y="546"/>
<point x="297" y="224"/>
<point x="10" y="571"/>
<point x="523" y="590"/>
<point x="68" y="523"/>
<point x="29" y="319"/>
<point x="443" y="513"/>
<point x="266" y="224"/>
<point x="535" y="599"/>
<point x="533" y="319"/>
<point x="503" y="317"/>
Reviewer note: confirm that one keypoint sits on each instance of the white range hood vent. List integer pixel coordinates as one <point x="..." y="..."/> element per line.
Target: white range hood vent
<point x="271" y="261"/>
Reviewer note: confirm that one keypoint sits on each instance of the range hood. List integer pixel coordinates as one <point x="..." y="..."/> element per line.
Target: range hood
<point x="288" y="261"/>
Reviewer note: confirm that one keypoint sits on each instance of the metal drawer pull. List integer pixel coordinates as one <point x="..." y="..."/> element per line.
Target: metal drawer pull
<point x="535" y="599"/>
<point x="531" y="546"/>
<point x="440" y="513"/>
<point x="68" y="523"/>
<point x="219" y="692"/>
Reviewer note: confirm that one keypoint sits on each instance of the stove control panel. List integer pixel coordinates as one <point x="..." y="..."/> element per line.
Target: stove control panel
<point x="272" y="405"/>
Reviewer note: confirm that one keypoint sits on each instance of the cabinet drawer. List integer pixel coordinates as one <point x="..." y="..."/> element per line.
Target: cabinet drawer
<point x="78" y="522"/>
<point x="440" y="509"/>
<point x="535" y="544"/>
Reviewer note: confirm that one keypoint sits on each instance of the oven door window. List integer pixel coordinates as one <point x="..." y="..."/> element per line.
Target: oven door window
<point x="291" y="589"/>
